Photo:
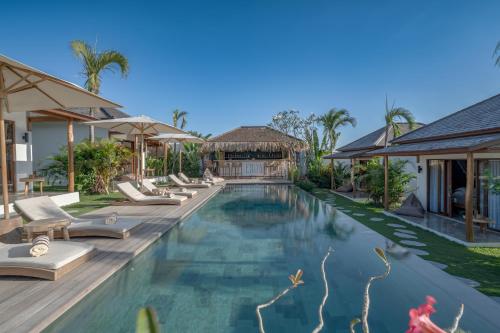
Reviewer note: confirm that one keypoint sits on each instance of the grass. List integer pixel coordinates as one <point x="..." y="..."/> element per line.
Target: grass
<point x="479" y="264"/>
<point x="90" y="202"/>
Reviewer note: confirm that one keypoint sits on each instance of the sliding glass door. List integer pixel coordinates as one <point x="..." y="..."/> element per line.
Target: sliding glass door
<point x="488" y="193"/>
<point x="436" y="198"/>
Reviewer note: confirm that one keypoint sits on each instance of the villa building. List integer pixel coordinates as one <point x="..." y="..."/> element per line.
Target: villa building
<point x="253" y="151"/>
<point x="458" y="164"/>
<point x="358" y="152"/>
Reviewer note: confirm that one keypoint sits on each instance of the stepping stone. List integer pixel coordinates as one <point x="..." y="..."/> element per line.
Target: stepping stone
<point x="412" y="243"/>
<point x="403" y="235"/>
<point x="418" y="252"/>
<point x="469" y="282"/>
<point x="438" y="264"/>
<point x="395" y="225"/>
<point x="72" y="211"/>
<point x="358" y="214"/>
<point x="376" y="219"/>
<point x="409" y="232"/>
<point x="345" y="210"/>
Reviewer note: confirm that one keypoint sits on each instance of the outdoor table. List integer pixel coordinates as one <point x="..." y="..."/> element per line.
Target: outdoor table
<point x="48" y="226"/>
<point x="150" y="172"/>
<point x="32" y="179"/>
<point x="482" y="221"/>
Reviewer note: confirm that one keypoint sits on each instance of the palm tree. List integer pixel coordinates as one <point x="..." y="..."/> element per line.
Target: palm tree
<point x="94" y="64"/>
<point x="392" y="116"/>
<point x="496" y="54"/>
<point x="332" y="121"/>
<point x="179" y="115"/>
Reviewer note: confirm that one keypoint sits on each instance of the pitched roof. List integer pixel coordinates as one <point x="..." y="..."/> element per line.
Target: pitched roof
<point x="253" y="138"/>
<point x="376" y="138"/>
<point x="477" y="118"/>
<point x="341" y="155"/>
<point x="101" y="113"/>
<point x="463" y="144"/>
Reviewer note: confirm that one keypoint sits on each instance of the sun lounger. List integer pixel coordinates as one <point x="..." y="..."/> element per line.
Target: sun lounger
<point x="151" y="189"/>
<point x="180" y="183"/>
<point x="138" y="198"/>
<point x="40" y="208"/>
<point x="62" y="257"/>
<point x="208" y="176"/>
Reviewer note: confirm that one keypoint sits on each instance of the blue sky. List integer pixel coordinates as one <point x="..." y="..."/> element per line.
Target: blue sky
<point x="232" y="63"/>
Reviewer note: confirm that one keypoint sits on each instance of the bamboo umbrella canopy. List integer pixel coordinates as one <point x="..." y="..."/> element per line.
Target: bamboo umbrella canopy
<point x="139" y="126"/>
<point x="23" y="89"/>
<point x="166" y="138"/>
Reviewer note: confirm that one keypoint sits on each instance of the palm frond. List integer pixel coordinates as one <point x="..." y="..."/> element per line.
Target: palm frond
<point x="110" y="60"/>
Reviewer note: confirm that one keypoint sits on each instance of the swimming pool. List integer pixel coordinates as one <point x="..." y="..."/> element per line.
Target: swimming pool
<point x="209" y="273"/>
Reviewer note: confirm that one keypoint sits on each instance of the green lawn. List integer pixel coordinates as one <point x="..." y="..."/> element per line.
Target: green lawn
<point x="90" y="202"/>
<point x="479" y="264"/>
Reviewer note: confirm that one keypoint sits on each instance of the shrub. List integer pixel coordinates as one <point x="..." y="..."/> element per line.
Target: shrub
<point x="305" y="184"/>
<point x="398" y="180"/>
<point x="96" y="164"/>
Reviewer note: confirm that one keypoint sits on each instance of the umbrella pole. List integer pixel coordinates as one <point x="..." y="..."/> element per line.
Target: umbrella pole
<point x="141" y="173"/>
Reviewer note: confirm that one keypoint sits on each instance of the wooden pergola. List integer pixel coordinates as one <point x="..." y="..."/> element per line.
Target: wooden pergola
<point x="62" y="116"/>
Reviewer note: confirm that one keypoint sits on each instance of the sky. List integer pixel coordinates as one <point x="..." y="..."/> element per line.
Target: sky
<point x="238" y="62"/>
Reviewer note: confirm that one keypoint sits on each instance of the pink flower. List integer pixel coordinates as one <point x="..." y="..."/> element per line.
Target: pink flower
<point x="420" y="321"/>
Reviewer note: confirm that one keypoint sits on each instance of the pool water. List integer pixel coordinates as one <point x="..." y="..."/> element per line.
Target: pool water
<point x="209" y="273"/>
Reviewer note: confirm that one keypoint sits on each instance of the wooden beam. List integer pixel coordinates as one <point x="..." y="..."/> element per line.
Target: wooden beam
<point x="165" y="159"/>
<point x="71" y="158"/>
<point x="469" y="188"/>
<point x="386" y="182"/>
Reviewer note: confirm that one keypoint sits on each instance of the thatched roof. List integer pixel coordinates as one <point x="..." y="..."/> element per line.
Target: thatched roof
<point x="253" y="138"/>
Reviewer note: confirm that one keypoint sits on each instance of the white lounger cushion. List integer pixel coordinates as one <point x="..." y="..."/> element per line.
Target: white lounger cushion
<point x="60" y="254"/>
<point x="149" y="187"/>
<point x="135" y="195"/>
<point x="40" y="208"/>
<point x="180" y="183"/>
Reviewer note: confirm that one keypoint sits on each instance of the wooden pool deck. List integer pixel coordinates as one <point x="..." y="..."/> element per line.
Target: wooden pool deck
<point x="30" y="305"/>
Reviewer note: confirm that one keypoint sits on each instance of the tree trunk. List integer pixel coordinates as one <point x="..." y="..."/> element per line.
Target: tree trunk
<point x="332" y="180"/>
<point x="91" y="127"/>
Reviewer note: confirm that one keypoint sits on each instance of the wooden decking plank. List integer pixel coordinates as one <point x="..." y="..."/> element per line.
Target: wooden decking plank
<point x="31" y="305"/>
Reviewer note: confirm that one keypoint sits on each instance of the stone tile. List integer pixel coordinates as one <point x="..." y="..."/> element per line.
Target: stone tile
<point x="395" y="225"/>
<point x="403" y="235"/>
<point x="409" y="232"/>
<point x="376" y="219"/>
<point x="358" y="214"/>
<point x="418" y="252"/>
<point x="412" y="243"/>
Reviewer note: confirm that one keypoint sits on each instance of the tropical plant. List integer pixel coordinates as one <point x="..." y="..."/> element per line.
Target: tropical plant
<point x="332" y="121"/>
<point x="305" y="184"/>
<point x="399" y="180"/>
<point x="200" y="135"/>
<point x="393" y="116"/>
<point x="96" y="164"/>
<point x="178" y="115"/>
<point x="288" y="122"/>
<point x="496" y="54"/>
<point x="191" y="159"/>
<point x="94" y="64"/>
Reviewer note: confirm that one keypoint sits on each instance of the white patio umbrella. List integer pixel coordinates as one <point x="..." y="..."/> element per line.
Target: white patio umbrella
<point x="23" y="89"/>
<point x="181" y="138"/>
<point x="139" y="126"/>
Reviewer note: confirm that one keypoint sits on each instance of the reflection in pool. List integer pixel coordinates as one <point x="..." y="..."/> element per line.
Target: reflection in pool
<point x="209" y="273"/>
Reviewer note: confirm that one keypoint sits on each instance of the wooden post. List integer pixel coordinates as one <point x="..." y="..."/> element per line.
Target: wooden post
<point x="353" y="163"/>
<point x="3" y="152"/>
<point x="71" y="159"/>
<point x="165" y="159"/>
<point x="180" y="159"/>
<point x="469" y="188"/>
<point x="386" y="182"/>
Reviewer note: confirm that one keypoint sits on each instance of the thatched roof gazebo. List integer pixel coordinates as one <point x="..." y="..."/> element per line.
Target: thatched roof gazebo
<point x="252" y="151"/>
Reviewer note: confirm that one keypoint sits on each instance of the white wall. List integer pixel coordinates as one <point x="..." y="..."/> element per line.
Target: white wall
<point x="49" y="137"/>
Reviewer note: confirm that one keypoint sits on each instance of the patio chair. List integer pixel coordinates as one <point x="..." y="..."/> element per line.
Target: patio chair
<point x="210" y="178"/>
<point x="180" y="183"/>
<point x="40" y="208"/>
<point x="151" y="189"/>
<point x="136" y="197"/>
<point x="62" y="257"/>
